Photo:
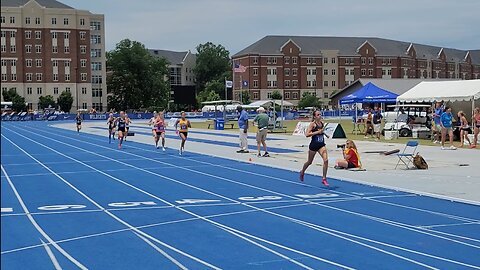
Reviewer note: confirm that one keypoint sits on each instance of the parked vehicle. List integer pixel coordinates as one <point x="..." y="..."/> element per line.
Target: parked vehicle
<point x="407" y="119"/>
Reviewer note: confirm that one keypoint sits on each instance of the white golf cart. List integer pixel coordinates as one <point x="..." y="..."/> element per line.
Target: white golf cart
<point x="407" y="119"/>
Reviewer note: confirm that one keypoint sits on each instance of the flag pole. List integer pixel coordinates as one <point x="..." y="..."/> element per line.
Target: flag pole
<point x="241" y="89"/>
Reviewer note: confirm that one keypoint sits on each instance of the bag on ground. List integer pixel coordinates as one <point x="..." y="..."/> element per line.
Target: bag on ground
<point x="420" y="162"/>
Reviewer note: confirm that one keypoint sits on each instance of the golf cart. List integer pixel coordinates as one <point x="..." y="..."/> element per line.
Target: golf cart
<point x="407" y="119"/>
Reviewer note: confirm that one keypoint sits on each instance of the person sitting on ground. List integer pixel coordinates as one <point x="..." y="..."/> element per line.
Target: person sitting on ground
<point x="351" y="158"/>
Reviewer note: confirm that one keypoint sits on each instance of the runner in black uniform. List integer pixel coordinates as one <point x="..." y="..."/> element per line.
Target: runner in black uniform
<point x="121" y="122"/>
<point x="78" y="118"/>
<point x="111" y="128"/>
<point x="317" y="145"/>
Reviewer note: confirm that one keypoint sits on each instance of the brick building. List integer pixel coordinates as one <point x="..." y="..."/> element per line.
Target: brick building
<point x="48" y="47"/>
<point x="293" y="65"/>
<point x="180" y="65"/>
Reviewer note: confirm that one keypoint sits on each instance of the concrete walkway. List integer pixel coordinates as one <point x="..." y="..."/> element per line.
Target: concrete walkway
<point x="452" y="174"/>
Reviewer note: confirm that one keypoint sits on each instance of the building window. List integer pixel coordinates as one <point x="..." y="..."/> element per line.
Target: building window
<point x="295" y="95"/>
<point x="255" y="83"/>
<point x="287" y="84"/>
<point x="54" y="35"/>
<point x="13" y="48"/>
<point x="98" y="53"/>
<point x="67" y="77"/>
<point x="384" y="72"/>
<point x="4" y="77"/>
<point x="28" y="62"/>
<point x="3" y="48"/>
<point x="4" y="63"/>
<point x="294" y="72"/>
<point x="82" y="21"/>
<point x="4" y="34"/>
<point x="12" y="19"/>
<point x="28" y="34"/>
<point x="325" y="72"/>
<point x="67" y="89"/>
<point x="294" y="60"/>
<point x="2" y="19"/>
<point x="83" y="77"/>
<point x="334" y="72"/>
<point x="55" y="77"/>
<point x="83" y="35"/>
<point x="255" y="60"/>
<point x="325" y="60"/>
<point x="38" y="62"/>
<point x="309" y="83"/>
<point x="370" y="61"/>
<point x="39" y="90"/>
<point x="370" y="72"/>
<point x="287" y="60"/>
<point x="96" y="65"/>
<point x="334" y="61"/>
<point x="66" y="63"/>
<point x="334" y="83"/>
<point x="287" y="72"/>
<point x="54" y="20"/>
<point x="38" y="48"/>
<point x="27" y="20"/>
<point x="314" y="71"/>
<point x="286" y="95"/>
<point x="96" y="92"/>
<point x="325" y="83"/>
<point x="389" y="72"/>
<point x="96" y="79"/>
<point x="269" y="95"/>
<point x="364" y="60"/>
<point x="29" y="90"/>
<point x="67" y="49"/>
<point x="65" y="21"/>
<point x="83" y="62"/>
<point x="255" y="72"/>
<point x="95" y="26"/>
<point x="54" y="49"/>
<point x="84" y="105"/>
<point x="14" y="77"/>
<point x="364" y="72"/>
<point x="14" y="63"/>
<point x="38" y="76"/>
<point x="255" y="95"/>
<point x="12" y="34"/>
<point x="294" y="83"/>
<point x="66" y="35"/>
<point x="37" y="20"/>
<point x="83" y="49"/>
<point x="55" y="90"/>
<point x="95" y="39"/>
<point x="84" y="91"/>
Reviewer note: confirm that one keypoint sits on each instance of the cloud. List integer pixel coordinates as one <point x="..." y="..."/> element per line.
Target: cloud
<point x="183" y="24"/>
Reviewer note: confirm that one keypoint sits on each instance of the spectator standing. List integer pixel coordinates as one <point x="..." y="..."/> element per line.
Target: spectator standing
<point x="262" y="124"/>
<point x="377" y="122"/>
<point x="437" y="127"/>
<point x="243" y="126"/>
<point x="446" y="121"/>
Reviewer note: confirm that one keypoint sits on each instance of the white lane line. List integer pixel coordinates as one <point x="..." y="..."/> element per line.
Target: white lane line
<point x="51" y="256"/>
<point x="7" y="209"/>
<point x="218" y="195"/>
<point x="37" y="227"/>
<point x="106" y="211"/>
<point x="154" y="225"/>
<point x="447" y="225"/>
<point x="224" y="227"/>
<point x="377" y="219"/>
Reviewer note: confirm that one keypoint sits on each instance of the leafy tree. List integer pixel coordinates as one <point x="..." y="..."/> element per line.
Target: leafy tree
<point x="276" y="95"/>
<point x="65" y="101"/>
<point x="46" y="102"/>
<point x="308" y="100"/>
<point x="207" y="95"/>
<point x="9" y="94"/>
<point x="213" y="63"/>
<point x="18" y="103"/>
<point x="138" y="79"/>
<point x="245" y="97"/>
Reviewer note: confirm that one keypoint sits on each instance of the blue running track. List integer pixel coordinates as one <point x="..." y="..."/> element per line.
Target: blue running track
<point x="74" y="201"/>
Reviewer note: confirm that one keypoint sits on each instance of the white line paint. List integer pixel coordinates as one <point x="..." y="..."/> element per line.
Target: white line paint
<point x="286" y="217"/>
<point x="37" y="227"/>
<point x="225" y="228"/>
<point x="51" y="256"/>
<point x="7" y="210"/>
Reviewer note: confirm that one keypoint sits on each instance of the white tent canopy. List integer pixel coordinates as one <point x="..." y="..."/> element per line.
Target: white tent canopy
<point x="431" y="91"/>
<point x="264" y="103"/>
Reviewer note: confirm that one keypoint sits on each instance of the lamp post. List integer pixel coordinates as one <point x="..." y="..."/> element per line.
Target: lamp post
<point x="76" y="88"/>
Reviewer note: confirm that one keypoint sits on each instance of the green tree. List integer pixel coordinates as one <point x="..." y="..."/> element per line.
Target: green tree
<point x="308" y="100"/>
<point x="207" y="95"/>
<point x="276" y="95"/>
<point x="138" y="79"/>
<point x="18" y="103"/>
<point x="245" y="97"/>
<point x="9" y="94"/>
<point x="213" y="63"/>
<point x="65" y="101"/>
<point x="46" y="102"/>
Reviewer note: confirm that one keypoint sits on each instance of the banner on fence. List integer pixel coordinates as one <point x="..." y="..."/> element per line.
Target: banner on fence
<point x="301" y="128"/>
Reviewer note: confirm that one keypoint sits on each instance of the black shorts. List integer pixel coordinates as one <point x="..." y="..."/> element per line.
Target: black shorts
<point x="79" y="123"/>
<point x="159" y="132"/>
<point x="465" y="129"/>
<point x="351" y="165"/>
<point x="184" y="133"/>
<point x="316" y="146"/>
<point x="122" y="129"/>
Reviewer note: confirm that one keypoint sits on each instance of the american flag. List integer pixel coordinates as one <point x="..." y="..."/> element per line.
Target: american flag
<point x="239" y="68"/>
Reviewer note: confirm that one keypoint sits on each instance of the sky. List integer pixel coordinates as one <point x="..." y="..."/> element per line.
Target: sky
<point x="181" y="25"/>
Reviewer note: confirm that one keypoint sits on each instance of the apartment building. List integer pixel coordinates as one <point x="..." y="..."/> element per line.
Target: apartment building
<point x="322" y="66"/>
<point x="180" y="65"/>
<point x="48" y="47"/>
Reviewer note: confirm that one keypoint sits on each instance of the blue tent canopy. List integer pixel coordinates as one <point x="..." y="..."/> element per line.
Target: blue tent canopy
<point x="369" y="93"/>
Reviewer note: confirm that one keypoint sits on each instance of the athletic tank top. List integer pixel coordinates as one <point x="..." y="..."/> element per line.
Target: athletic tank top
<point x="183" y="124"/>
<point x="121" y="123"/>
<point x="160" y="126"/>
<point x="477" y="120"/>
<point x="318" y="138"/>
<point x="110" y="122"/>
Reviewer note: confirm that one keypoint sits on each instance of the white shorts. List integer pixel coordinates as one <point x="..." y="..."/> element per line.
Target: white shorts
<point x="376" y="127"/>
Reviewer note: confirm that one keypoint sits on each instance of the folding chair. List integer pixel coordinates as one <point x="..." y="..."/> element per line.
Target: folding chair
<point x="406" y="157"/>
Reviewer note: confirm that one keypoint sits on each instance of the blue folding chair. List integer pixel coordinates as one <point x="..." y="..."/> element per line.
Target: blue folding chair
<point x="406" y="157"/>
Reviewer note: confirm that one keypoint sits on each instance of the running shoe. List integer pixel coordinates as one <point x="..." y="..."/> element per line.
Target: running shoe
<point x="473" y="146"/>
<point x="158" y="147"/>
<point x="324" y="182"/>
<point x="266" y="154"/>
<point x="259" y="155"/>
<point x="443" y="148"/>
<point x="453" y="147"/>
<point x="119" y="146"/>
<point x="240" y="151"/>
<point x="302" y="176"/>
<point x="163" y="148"/>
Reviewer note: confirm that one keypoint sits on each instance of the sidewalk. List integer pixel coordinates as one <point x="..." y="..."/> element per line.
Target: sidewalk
<point x="452" y="174"/>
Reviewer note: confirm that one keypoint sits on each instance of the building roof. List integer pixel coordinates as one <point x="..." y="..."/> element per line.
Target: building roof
<point x="347" y="46"/>
<point x="173" y="57"/>
<point x="43" y="3"/>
